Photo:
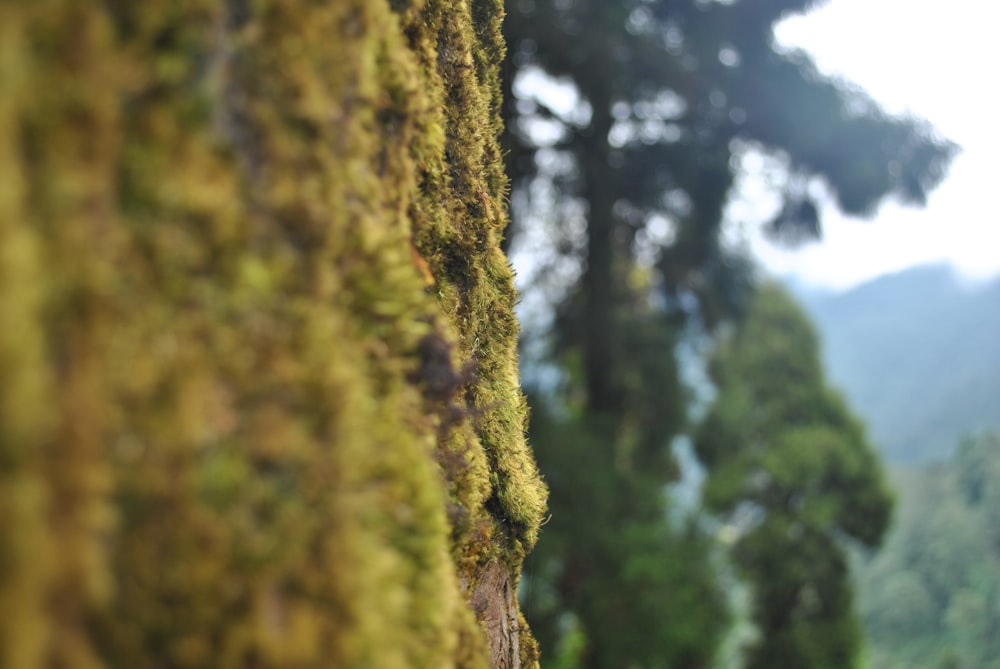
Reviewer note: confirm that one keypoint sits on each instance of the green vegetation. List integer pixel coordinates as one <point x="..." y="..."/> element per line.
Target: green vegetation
<point x="916" y="354"/>
<point x="929" y="598"/>
<point x="260" y="402"/>
<point x="628" y="189"/>
<point x="615" y="582"/>
<point x="791" y="471"/>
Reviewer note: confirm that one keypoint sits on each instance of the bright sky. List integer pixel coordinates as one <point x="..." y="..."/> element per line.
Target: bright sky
<point x="933" y="61"/>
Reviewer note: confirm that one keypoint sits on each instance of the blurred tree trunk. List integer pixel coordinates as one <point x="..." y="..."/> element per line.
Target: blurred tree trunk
<point x="260" y="401"/>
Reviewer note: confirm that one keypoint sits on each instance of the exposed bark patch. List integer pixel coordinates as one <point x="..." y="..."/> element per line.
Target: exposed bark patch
<point x="495" y="606"/>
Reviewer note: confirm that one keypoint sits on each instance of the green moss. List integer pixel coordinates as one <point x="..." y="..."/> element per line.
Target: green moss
<point x="456" y="227"/>
<point x="25" y="538"/>
<point x="244" y="243"/>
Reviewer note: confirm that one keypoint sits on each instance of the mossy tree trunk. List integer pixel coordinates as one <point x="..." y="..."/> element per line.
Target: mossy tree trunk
<point x="260" y="401"/>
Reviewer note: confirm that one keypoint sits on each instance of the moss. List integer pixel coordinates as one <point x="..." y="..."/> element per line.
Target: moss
<point x="25" y="538"/>
<point x="457" y="224"/>
<point x="261" y="407"/>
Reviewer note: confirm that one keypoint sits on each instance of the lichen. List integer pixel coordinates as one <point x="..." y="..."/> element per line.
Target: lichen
<point x="261" y="404"/>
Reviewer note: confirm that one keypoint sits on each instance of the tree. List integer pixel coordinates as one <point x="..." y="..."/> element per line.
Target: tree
<point x="260" y="403"/>
<point x="615" y="576"/>
<point x="668" y="89"/>
<point x="790" y="469"/>
<point x="928" y="598"/>
<point x="632" y="183"/>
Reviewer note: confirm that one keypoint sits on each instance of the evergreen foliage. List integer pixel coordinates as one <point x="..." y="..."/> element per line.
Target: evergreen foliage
<point x="929" y="597"/>
<point x="791" y="471"/>
<point x="614" y="574"/>
<point x="260" y="402"/>
<point x="632" y="183"/>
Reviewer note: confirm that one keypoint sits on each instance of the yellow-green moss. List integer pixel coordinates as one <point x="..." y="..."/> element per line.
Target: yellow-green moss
<point x="26" y="568"/>
<point x="457" y="224"/>
<point x="261" y="403"/>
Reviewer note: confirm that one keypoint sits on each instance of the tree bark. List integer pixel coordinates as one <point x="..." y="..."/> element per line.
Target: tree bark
<point x="260" y="403"/>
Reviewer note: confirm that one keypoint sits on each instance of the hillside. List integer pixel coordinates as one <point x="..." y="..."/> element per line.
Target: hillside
<point x="917" y="354"/>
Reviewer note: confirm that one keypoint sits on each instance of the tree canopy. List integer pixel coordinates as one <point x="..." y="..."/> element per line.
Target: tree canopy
<point x="928" y="598"/>
<point x="667" y="88"/>
<point x="791" y="471"/>
<point x="625" y="120"/>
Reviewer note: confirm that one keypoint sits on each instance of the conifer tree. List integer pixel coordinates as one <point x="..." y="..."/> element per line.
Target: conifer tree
<point x="632" y="183"/>
<point x="260" y="403"/>
<point x="791" y="470"/>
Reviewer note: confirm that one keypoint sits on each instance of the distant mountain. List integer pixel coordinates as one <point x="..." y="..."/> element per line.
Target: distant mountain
<point x="918" y="356"/>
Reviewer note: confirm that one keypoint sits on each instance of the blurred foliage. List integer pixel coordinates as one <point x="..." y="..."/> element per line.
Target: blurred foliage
<point x="615" y="582"/>
<point x="260" y="403"/>
<point x="929" y="599"/>
<point x="667" y="89"/>
<point x="624" y="122"/>
<point x="791" y="471"/>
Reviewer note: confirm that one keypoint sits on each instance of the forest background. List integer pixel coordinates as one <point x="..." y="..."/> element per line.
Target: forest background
<point x="611" y="272"/>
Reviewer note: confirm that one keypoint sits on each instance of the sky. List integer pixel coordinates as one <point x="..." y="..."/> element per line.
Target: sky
<point x="927" y="60"/>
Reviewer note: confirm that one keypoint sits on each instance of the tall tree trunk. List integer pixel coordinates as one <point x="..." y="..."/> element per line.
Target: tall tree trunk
<point x="260" y="403"/>
<point x="601" y="280"/>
